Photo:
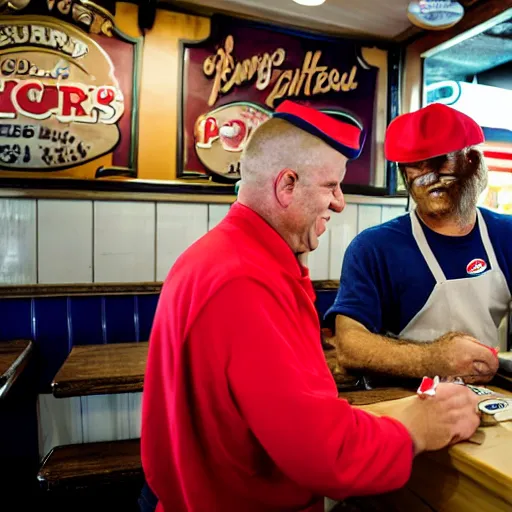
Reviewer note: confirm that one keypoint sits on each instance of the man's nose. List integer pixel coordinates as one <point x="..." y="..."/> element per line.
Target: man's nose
<point x="338" y="202"/>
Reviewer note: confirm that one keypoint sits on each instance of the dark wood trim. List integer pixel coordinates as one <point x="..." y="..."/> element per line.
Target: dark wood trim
<point x="81" y="466"/>
<point x="88" y="289"/>
<point x="78" y="290"/>
<point x="14" y="356"/>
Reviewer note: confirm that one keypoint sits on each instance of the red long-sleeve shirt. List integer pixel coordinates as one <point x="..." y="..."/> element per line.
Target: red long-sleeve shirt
<point x="240" y="411"/>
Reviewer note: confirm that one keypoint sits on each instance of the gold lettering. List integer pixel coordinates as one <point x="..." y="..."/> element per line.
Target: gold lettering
<point x="293" y="85"/>
<point x="347" y="82"/>
<point x="310" y="69"/>
<point x="281" y="88"/>
<point x="310" y="79"/>
<point x="334" y="77"/>
<point x="320" y="79"/>
<point x="264" y="72"/>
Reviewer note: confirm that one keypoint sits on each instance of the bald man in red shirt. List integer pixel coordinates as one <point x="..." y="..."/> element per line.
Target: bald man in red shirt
<point x="240" y="411"/>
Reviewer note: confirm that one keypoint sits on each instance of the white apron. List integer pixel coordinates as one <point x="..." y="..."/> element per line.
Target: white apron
<point x="474" y="305"/>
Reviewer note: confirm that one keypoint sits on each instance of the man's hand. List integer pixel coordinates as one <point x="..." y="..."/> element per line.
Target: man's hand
<point x="438" y="421"/>
<point x="460" y="355"/>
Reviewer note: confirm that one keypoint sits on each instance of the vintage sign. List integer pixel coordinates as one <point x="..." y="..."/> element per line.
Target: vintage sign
<point x="235" y="79"/>
<point x="68" y="95"/>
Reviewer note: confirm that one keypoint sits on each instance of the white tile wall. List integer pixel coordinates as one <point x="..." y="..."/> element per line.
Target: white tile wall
<point x="60" y="422"/>
<point x="105" y="417"/>
<point x="65" y="241"/>
<point x="216" y="212"/>
<point x="18" y="241"/>
<point x="124" y="241"/>
<point x="105" y="241"/>
<point x="178" y="225"/>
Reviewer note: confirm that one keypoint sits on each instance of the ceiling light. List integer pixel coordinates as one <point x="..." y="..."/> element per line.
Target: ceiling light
<point x="309" y="3"/>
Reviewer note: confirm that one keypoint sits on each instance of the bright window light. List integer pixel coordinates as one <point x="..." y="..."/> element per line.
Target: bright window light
<point x="310" y="3"/>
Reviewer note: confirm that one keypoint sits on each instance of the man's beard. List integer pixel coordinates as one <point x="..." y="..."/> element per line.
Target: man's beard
<point x="461" y="189"/>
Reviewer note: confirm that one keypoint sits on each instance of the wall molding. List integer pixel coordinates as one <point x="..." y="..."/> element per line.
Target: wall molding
<point x="89" y="289"/>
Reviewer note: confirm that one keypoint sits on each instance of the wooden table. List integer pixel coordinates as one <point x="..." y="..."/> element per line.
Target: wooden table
<point x="466" y="477"/>
<point x="14" y="356"/>
<point x="102" y="369"/>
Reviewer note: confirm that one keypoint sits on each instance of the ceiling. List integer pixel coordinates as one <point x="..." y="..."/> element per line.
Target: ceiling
<point x="373" y="18"/>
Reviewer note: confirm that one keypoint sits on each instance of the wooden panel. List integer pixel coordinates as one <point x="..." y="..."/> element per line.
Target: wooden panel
<point x="391" y="212"/>
<point x="105" y="417"/>
<point x="216" y="212"/>
<point x="98" y="369"/>
<point x="18" y="241"/>
<point x="342" y="230"/>
<point x="124" y="241"/>
<point x="64" y="241"/>
<point x="177" y="227"/>
<point x="160" y="88"/>
<point x="60" y="422"/>
<point x="368" y="216"/>
<point x="77" y="466"/>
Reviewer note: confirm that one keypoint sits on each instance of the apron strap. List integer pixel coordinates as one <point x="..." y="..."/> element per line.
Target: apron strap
<point x="484" y="234"/>
<point x="425" y="249"/>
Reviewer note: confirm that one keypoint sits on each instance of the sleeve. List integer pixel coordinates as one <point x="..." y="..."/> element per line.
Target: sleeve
<point x="359" y="296"/>
<point x="315" y="438"/>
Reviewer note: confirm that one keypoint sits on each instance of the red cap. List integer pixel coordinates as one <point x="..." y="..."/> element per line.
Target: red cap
<point x="432" y="131"/>
<point x="344" y="137"/>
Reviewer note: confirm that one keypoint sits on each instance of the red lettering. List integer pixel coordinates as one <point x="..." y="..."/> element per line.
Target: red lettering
<point x="6" y="107"/>
<point x="82" y="103"/>
<point x="72" y="99"/>
<point x="33" y="99"/>
<point x="105" y="96"/>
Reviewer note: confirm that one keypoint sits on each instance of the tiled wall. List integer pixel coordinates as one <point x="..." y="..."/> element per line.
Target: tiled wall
<point x="56" y="241"/>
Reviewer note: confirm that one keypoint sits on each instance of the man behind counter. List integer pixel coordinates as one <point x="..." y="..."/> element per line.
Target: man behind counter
<point x="239" y="410"/>
<point x="422" y="294"/>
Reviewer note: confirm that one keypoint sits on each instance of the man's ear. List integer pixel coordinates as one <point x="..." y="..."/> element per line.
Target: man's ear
<point x="284" y="186"/>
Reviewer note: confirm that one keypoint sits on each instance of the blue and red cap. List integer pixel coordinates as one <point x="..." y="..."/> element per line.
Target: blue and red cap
<point x="344" y="137"/>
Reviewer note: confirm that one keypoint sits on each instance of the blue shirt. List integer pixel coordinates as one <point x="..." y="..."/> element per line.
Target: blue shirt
<point x="385" y="280"/>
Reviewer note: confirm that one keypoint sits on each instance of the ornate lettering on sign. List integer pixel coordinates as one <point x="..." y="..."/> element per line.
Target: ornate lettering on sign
<point x="15" y="36"/>
<point x="55" y="112"/>
<point x="70" y="102"/>
<point x="309" y="80"/>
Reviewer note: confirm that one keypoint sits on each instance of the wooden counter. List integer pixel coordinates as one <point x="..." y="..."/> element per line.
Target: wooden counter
<point x="466" y="477"/>
<point x="102" y="369"/>
<point x="14" y="356"/>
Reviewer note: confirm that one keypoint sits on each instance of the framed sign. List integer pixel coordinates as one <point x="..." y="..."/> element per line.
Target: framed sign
<point x="68" y="93"/>
<point x="233" y="81"/>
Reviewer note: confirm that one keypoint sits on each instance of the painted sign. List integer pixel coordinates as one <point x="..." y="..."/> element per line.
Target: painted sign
<point x="67" y="97"/>
<point x="233" y="81"/>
